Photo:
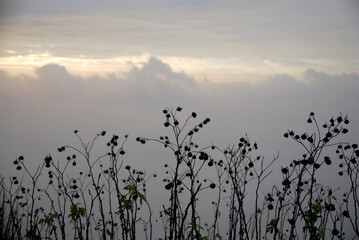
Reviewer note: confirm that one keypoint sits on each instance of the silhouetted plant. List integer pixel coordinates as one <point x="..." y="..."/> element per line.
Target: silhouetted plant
<point x="243" y="170"/>
<point x="183" y="220"/>
<point x="302" y="200"/>
<point x="79" y="201"/>
<point x="84" y="195"/>
<point x="349" y="167"/>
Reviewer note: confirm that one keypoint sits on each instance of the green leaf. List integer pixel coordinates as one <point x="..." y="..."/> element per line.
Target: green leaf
<point x="317" y="208"/>
<point x="82" y="212"/>
<point x="76" y="212"/>
<point x="129" y="188"/>
<point x="142" y="197"/>
<point x="272" y="225"/>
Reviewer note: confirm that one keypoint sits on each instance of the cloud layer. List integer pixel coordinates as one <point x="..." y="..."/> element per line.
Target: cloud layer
<point x="61" y="102"/>
<point x="288" y="34"/>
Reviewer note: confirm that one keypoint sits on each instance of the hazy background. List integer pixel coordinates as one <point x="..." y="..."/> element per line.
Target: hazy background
<point x="255" y="67"/>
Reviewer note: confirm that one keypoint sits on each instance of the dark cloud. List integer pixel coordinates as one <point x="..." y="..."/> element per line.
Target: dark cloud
<point x="155" y="84"/>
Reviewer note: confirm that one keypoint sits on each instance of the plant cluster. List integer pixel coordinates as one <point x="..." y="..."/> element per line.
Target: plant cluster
<point x="89" y="196"/>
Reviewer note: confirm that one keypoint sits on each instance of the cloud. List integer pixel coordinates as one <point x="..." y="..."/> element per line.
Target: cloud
<point x="146" y="88"/>
<point x="313" y="75"/>
<point x="255" y="30"/>
<point x="155" y="85"/>
<point x="39" y="113"/>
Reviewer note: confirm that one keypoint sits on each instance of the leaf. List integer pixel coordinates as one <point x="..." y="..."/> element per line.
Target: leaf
<point x="76" y="212"/>
<point x="82" y="212"/>
<point x="129" y="188"/>
<point x="317" y="208"/>
<point x="272" y="225"/>
<point x="142" y="197"/>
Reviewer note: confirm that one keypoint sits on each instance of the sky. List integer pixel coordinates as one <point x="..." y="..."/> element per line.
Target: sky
<point x="222" y="41"/>
<point x="254" y="67"/>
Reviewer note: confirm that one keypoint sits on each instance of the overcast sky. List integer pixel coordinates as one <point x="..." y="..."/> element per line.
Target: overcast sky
<point x="255" y="67"/>
<point x="215" y="40"/>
